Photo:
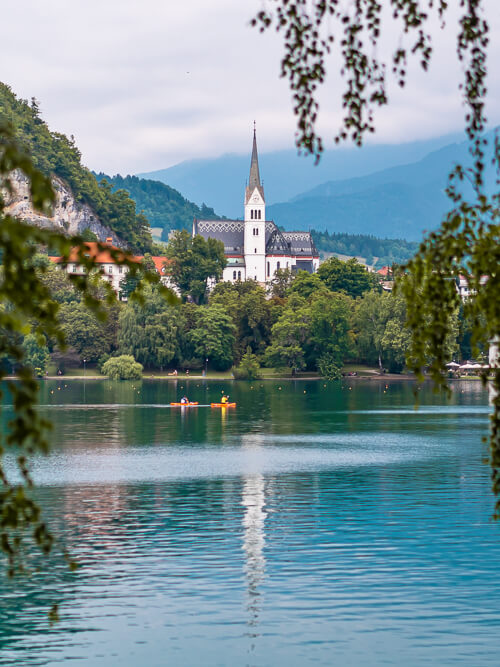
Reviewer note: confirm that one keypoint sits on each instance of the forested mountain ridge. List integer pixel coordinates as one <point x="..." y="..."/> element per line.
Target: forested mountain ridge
<point x="163" y="206"/>
<point x="403" y="201"/>
<point x="93" y="206"/>
<point x="387" y="251"/>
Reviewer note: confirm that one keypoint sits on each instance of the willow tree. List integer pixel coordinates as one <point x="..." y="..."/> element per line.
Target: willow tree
<point x="467" y="242"/>
<point x="27" y="305"/>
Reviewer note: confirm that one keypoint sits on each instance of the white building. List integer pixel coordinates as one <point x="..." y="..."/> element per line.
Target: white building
<point x="254" y="247"/>
<point x="106" y="264"/>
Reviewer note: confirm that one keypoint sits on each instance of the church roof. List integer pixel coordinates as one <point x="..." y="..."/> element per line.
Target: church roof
<point x="230" y="232"/>
<point x="254" y="177"/>
<point x="232" y="235"/>
<point x="300" y="243"/>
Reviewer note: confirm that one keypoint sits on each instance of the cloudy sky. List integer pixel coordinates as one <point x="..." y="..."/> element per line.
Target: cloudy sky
<point x="145" y="85"/>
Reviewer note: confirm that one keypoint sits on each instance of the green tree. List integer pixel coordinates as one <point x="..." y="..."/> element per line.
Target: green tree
<point x="251" y="311"/>
<point x="149" y="330"/>
<point x="467" y="242"/>
<point x="280" y="283"/>
<point x="27" y="302"/>
<point x="289" y="336"/>
<point x="89" y="336"/>
<point x="248" y="368"/>
<point x="306" y="284"/>
<point x="381" y="334"/>
<point x="214" y="336"/>
<point x="349" y="277"/>
<point x="35" y="355"/>
<point x="330" y="331"/>
<point x="123" y="367"/>
<point x="329" y="367"/>
<point x="194" y="263"/>
<point x="58" y="284"/>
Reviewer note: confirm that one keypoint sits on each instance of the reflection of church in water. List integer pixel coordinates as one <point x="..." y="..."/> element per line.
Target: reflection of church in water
<point x="254" y="247"/>
<point x="253" y="499"/>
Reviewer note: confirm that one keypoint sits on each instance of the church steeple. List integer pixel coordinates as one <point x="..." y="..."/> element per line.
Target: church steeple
<point x="254" y="177"/>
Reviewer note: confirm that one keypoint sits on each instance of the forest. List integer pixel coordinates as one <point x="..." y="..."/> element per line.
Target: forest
<point x="162" y="205"/>
<point x="314" y="322"/>
<point x="380" y="252"/>
<point x="54" y="153"/>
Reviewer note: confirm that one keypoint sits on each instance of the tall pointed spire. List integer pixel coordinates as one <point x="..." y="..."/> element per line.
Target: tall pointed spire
<point x="254" y="177"/>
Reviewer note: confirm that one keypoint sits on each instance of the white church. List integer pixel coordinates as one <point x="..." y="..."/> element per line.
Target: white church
<point x="254" y="247"/>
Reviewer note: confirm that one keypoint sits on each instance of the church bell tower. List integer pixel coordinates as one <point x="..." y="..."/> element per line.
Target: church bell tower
<point x="255" y="221"/>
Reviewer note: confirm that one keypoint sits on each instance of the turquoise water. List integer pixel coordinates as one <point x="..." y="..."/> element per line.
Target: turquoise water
<point x="312" y="525"/>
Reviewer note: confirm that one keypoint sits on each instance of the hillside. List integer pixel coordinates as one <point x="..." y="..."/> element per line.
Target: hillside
<point x="392" y="210"/>
<point x="386" y="251"/>
<point x="163" y="206"/>
<point x="221" y="181"/>
<point x="399" y="202"/>
<point x="57" y="156"/>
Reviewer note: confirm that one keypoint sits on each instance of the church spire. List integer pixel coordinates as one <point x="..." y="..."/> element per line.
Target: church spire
<point x="254" y="178"/>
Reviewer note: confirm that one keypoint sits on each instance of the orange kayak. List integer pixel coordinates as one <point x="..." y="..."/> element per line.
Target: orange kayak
<point x="222" y="405"/>
<point x="185" y="405"/>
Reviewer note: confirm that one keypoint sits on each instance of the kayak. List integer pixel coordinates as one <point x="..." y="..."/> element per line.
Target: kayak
<point x="222" y="405"/>
<point x="185" y="405"/>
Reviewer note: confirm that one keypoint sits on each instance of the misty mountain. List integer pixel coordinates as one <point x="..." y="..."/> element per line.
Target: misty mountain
<point x="401" y="202"/>
<point x="220" y="182"/>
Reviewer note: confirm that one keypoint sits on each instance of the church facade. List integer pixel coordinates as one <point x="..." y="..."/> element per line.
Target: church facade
<point x="254" y="247"/>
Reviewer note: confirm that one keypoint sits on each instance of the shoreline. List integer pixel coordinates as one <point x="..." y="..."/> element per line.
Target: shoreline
<point x="392" y="377"/>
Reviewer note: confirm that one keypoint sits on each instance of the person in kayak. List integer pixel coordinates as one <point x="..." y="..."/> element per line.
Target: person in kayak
<point x="224" y="400"/>
<point x="184" y="400"/>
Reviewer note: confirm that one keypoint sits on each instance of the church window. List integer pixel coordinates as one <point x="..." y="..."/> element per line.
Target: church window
<point x="234" y="275"/>
<point x="268" y="269"/>
<point x="259" y="214"/>
<point x="277" y="266"/>
<point x="251" y="214"/>
<point x="255" y="250"/>
<point x="239" y="275"/>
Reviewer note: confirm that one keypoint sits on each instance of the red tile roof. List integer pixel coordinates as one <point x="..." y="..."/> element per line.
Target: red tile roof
<point x="100" y="256"/>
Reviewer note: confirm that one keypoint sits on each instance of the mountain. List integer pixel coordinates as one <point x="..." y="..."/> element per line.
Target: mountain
<point x="399" y="202"/>
<point x="81" y="203"/>
<point x="163" y="206"/>
<point x="220" y="182"/>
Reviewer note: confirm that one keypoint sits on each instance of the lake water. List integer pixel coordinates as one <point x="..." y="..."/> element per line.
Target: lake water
<point x="312" y="525"/>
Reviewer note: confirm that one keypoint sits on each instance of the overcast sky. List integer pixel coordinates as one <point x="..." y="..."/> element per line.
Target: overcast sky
<point x="143" y="85"/>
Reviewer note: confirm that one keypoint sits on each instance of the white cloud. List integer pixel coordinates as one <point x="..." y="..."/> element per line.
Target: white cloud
<point x="143" y="85"/>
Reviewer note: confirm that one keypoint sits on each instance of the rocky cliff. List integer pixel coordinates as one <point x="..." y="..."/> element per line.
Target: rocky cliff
<point x="69" y="216"/>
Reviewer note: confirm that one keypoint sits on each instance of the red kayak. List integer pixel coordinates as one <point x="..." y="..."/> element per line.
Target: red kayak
<point x="185" y="405"/>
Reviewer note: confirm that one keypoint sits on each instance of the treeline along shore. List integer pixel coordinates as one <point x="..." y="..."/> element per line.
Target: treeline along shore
<point x="337" y="321"/>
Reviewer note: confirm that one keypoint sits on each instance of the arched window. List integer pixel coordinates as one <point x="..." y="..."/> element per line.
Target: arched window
<point x="268" y="269"/>
<point x="255" y="250"/>
<point x="277" y="266"/>
<point x="234" y="275"/>
<point x="259" y="214"/>
<point x="239" y="275"/>
<point x="251" y="214"/>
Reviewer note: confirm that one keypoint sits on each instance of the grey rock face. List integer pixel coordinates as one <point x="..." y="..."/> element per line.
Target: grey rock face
<point x="69" y="216"/>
